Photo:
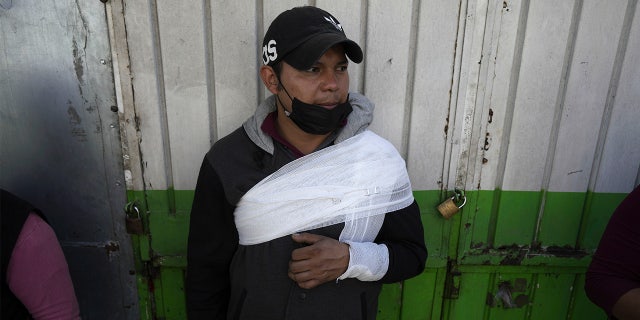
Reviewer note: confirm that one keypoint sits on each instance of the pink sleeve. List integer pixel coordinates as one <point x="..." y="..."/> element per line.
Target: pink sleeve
<point x="38" y="274"/>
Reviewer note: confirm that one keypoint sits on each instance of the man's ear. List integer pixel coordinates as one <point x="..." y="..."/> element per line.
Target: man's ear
<point x="269" y="79"/>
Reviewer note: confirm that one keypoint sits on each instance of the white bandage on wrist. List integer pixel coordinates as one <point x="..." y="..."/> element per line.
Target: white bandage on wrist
<point x="368" y="261"/>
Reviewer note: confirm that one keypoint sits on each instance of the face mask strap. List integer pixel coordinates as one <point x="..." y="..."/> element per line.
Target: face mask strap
<point x="287" y="113"/>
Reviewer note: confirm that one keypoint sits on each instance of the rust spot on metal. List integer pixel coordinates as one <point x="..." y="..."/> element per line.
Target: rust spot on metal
<point x="504" y="295"/>
<point x="522" y="300"/>
<point x="565" y="252"/>
<point x="520" y="285"/>
<point x="511" y="247"/>
<point x="452" y="283"/>
<point x="505" y="6"/>
<point x="446" y="126"/>
<point x="512" y="260"/>
<point x="514" y="255"/>
<point x="485" y="160"/>
<point x="477" y="245"/>
<point x="536" y="246"/>
<point x="486" y="141"/>
<point x="490" y="301"/>
<point x="75" y="120"/>
<point x="74" y="117"/>
<point x="77" y="61"/>
<point x="112" y="247"/>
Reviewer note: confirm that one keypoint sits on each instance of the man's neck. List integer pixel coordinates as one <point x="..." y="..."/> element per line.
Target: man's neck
<point x="303" y="141"/>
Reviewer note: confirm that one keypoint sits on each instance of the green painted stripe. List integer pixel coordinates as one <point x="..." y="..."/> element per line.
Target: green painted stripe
<point x="494" y="227"/>
<point x="499" y="227"/>
<point x="422" y="295"/>
<point x="437" y="230"/>
<point x="389" y="302"/>
<point x="490" y="220"/>
<point x="599" y="207"/>
<point x="517" y="212"/>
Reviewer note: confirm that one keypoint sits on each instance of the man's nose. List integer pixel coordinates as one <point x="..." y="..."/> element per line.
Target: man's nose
<point x="330" y="80"/>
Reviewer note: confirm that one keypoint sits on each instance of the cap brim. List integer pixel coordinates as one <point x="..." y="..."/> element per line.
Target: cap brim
<point x="310" y="51"/>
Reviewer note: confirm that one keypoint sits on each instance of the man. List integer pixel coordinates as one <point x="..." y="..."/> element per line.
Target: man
<point x="302" y="213"/>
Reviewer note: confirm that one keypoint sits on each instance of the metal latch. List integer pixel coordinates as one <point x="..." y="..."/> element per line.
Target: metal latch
<point x="133" y="220"/>
<point x="452" y="205"/>
<point x="452" y="282"/>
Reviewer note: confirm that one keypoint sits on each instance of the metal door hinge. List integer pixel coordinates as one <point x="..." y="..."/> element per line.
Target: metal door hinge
<point x="452" y="285"/>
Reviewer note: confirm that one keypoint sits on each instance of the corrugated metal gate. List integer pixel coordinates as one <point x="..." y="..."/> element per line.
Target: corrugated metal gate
<point x="531" y="107"/>
<point x="60" y="146"/>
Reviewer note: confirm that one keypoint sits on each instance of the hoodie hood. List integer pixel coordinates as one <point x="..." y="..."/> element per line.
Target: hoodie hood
<point x="359" y="120"/>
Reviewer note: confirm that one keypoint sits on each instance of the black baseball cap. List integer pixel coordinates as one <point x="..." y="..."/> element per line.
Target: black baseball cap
<point x="300" y="36"/>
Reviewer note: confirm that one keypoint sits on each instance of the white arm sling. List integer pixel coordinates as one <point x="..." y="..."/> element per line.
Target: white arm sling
<point x="361" y="177"/>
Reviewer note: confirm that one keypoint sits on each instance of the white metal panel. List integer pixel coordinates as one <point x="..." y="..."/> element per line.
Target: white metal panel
<point x="620" y="165"/>
<point x="235" y="63"/>
<point x="502" y="61"/>
<point x="507" y="77"/>
<point x="546" y="97"/>
<point x="588" y="84"/>
<point x="388" y="50"/>
<point x="463" y="116"/>
<point x="431" y="99"/>
<point x="124" y="94"/>
<point x="540" y="77"/>
<point x="146" y="73"/>
<point x="182" y="52"/>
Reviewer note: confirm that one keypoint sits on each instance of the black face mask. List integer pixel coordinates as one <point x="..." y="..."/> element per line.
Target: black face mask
<point x="315" y="119"/>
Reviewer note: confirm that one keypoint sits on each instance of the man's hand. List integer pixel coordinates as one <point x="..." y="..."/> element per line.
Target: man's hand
<point x="323" y="260"/>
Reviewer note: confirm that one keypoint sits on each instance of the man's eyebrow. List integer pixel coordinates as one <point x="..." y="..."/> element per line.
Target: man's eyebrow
<point x="341" y="62"/>
<point x="345" y="61"/>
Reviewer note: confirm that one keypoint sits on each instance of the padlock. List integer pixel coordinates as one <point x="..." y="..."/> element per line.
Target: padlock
<point x="133" y="221"/>
<point x="449" y="207"/>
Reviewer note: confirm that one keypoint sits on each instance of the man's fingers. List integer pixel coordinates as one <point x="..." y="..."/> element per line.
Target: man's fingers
<point x="323" y="260"/>
<point x="308" y="251"/>
<point x="308" y="238"/>
<point x="310" y="284"/>
<point x="302" y="276"/>
<point x="298" y="266"/>
<point x="308" y="279"/>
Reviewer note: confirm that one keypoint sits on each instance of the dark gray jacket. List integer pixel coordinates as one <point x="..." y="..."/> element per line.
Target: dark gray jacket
<point x="227" y="280"/>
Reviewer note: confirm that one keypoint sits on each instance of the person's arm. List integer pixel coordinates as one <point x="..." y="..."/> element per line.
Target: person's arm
<point x="613" y="277"/>
<point x="403" y="234"/>
<point x="628" y="306"/>
<point x="398" y="253"/>
<point x="212" y="242"/>
<point x="38" y="274"/>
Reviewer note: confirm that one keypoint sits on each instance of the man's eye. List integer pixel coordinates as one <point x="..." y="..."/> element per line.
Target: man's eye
<point x="313" y="69"/>
<point x="343" y="68"/>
